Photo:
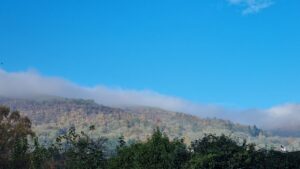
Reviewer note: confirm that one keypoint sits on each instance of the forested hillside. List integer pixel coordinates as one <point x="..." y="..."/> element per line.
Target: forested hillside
<point x="52" y="117"/>
<point x="20" y="149"/>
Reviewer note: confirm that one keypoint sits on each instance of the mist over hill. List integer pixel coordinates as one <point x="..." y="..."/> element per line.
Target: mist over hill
<point x="281" y="118"/>
<point x="52" y="116"/>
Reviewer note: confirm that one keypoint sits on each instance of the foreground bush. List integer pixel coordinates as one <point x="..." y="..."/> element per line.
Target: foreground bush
<point x="157" y="153"/>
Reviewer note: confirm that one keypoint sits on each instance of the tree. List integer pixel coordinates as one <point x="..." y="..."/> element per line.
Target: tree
<point x="14" y="132"/>
<point x="213" y="152"/>
<point x="121" y="141"/>
<point x="80" y="151"/>
<point x="41" y="157"/>
<point x="158" y="152"/>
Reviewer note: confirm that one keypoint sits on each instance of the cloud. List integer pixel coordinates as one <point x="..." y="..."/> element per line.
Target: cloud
<point x="286" y="117"/>
<point x="29" y="84"/>
<point x="252" y="6"/>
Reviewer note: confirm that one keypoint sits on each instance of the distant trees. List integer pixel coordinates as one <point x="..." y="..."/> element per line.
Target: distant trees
<point x="20" y="149"/>
<point x="254" y="131"/>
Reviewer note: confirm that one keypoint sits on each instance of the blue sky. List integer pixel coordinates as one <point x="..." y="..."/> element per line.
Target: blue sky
<point x="229" y="52"/>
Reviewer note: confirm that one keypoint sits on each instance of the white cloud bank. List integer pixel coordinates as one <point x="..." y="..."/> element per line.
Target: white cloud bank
<point x="30" y="84"/>
<point x="285" y="117"/>
<point x="251" y="6"/>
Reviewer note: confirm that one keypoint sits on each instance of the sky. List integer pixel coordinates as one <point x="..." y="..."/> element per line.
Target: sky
<point x="238" y="54"/>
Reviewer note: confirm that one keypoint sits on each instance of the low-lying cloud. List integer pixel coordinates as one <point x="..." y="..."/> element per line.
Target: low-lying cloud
<point x="286" y="117"/>
<point x="29" y="84"/>
<point x="251" y="6"/>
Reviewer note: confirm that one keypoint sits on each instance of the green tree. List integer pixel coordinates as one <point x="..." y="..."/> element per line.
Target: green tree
<point x="157" y="153"/>
<point x="41" y="157"/>
<point x="79" y="151"/>
<point x="213" y="152"/>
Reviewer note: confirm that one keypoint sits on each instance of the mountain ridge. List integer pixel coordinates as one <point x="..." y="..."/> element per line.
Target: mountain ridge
<point x="51" y="117"/>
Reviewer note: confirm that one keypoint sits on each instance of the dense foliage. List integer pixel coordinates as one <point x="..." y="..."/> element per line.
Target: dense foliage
<point x="52" y="117"/>
<point x="14" y="131"/>
<point x="20" y="149"/>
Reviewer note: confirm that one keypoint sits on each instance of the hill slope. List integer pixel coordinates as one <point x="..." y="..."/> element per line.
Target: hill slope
<point x="53" y="116"/>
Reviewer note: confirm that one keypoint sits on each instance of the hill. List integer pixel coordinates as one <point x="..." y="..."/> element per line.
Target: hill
<point x="53" y="116"/>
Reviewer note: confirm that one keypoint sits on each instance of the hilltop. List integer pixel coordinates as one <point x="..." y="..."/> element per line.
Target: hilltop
<point x="52" y="116"/>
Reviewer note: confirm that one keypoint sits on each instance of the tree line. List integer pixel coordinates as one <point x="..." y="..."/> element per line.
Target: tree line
<point x="20" y="149"/>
